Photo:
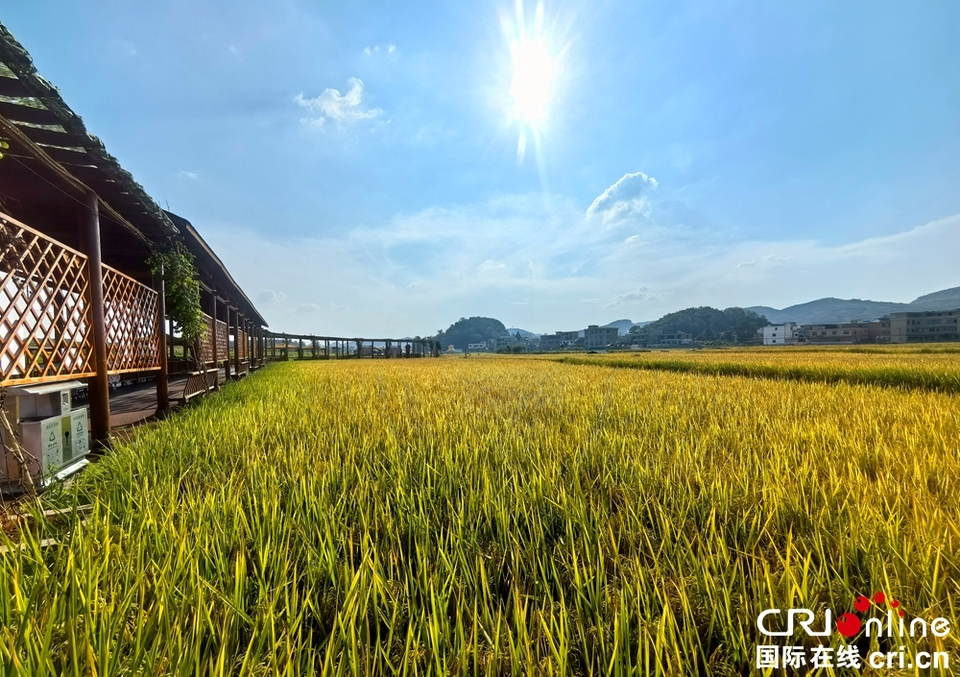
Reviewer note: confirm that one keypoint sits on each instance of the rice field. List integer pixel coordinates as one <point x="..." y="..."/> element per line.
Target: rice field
<point x="930" y="367"/>
<point x="499" y="516"/>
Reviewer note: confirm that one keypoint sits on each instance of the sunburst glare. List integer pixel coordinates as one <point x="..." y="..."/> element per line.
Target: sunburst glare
<point x="535" y="69"/>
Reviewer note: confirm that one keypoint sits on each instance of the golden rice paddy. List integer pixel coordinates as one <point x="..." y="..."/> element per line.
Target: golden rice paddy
<point x="497" y="516"/>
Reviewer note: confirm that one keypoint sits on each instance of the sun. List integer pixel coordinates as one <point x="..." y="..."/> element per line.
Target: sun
<point x="533" y="73"/>
<point x="536" y="69"/>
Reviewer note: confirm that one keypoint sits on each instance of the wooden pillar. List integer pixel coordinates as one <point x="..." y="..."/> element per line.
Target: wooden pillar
<point x="213" y="333"/>
<point x="99" y="385"/>
<point x="236" y="342"/>
<point x="163" y="381"/>
<point x="226" y="358"/>
<point x="170" y="347"/>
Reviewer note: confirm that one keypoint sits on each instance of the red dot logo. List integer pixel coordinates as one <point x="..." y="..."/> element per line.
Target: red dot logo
<point x="861" y="603"/>
<point x="895" y="603"/>
<point x="848" y="625"/>
<point x="879" y="597"/>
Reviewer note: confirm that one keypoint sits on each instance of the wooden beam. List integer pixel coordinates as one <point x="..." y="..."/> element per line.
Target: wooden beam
<point x="98" y="386"/>
<point x="37" y="116"/>
<point x="236" y="342"/>
<point x="51" y="136"/>
<point x="68" y="156"/>
<point x="14" y="133"/>
<point x="11" y="87"/>
<point x="163" y="382"/>
<point x="216" y="362"/>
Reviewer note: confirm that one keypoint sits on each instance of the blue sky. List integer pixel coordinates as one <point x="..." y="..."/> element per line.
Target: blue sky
<point x="357" y="167"/>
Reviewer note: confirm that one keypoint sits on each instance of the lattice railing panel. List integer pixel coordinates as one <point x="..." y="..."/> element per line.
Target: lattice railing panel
<point x="206" y="340"/>
<point x="130" y="311"/>
<point x="223" y="340"/>
<point x="44" y="333"/>
<point x="242" y="344"/>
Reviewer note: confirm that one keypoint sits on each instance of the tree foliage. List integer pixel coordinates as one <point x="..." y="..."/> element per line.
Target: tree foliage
<point x="732" y="325"/>
<point x="473" y="330"/>
<point x="181" y="289"/>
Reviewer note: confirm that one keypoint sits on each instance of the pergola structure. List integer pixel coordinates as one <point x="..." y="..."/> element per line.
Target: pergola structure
<point x="281" y="346"/>
<point x="77" y="298"/>
<point x="232" y="319"/>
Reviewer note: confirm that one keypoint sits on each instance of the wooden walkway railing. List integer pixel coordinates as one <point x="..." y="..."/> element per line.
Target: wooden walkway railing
<point x="46" y="329"/>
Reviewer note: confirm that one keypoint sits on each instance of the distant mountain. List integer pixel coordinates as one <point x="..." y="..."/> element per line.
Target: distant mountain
<point x="623" y="326"/>
<point x="825" y="311"/>
<point x="523" y="333"/>
<point x="948" y="299"/>
<point x="831" y="310"/>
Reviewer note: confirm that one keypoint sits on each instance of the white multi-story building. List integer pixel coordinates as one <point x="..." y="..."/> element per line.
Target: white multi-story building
<point x="780" y="334"/>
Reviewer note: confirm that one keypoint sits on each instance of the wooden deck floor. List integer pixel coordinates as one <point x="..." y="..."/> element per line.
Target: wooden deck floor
<point x="133" y="405"/>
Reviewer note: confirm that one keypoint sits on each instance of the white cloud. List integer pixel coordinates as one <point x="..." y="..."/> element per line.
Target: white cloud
<point x="627" y="197"/>
<point x="184" y="174"/>
<point x="341" y="108"/>
<point x="268" y="296"/>
<point x="491" y="265"/>
<point x="389" y="48"/>
<point x="637" y="295"/>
